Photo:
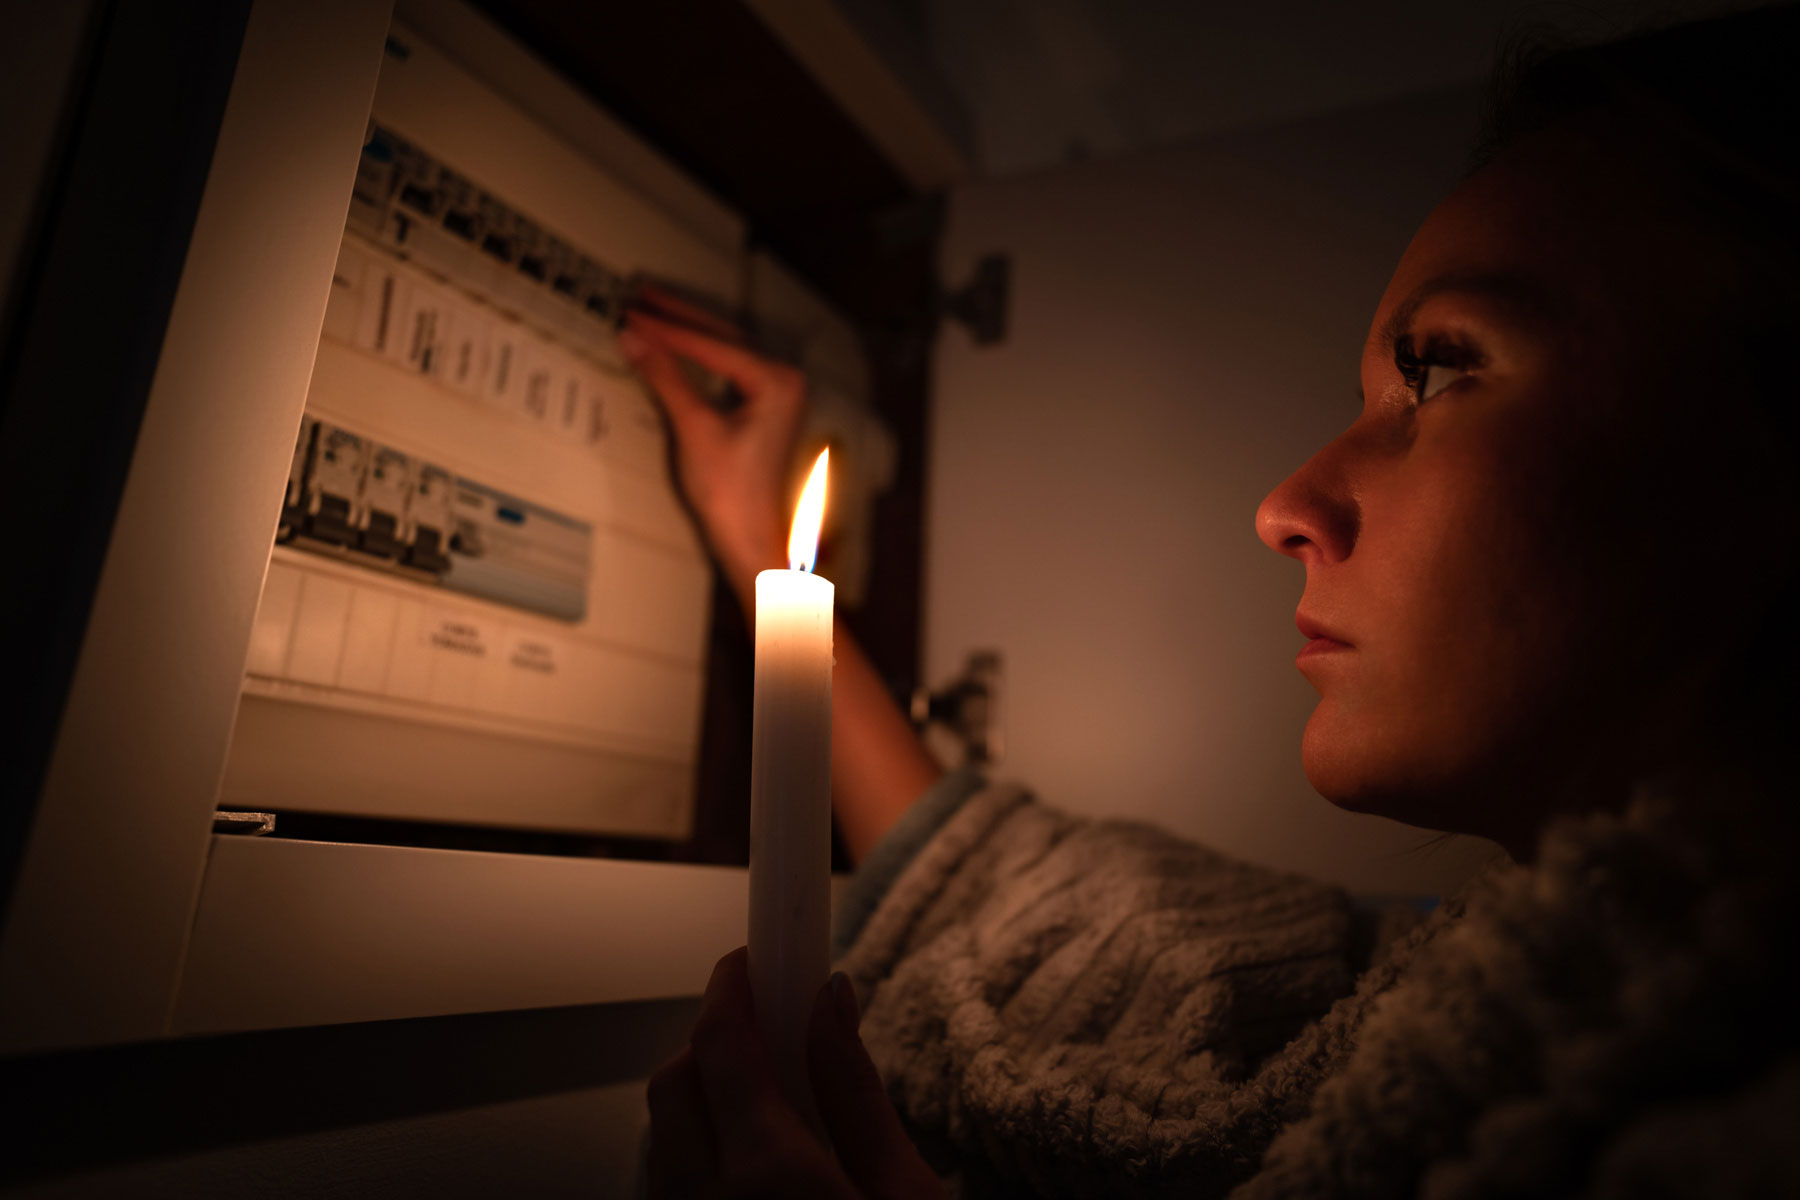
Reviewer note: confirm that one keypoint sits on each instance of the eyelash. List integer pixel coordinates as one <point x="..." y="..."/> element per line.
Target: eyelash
<point x="1415" y="365"/>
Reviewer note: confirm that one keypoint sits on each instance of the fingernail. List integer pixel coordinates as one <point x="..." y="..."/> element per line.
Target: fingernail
<point x="631" y="345"/>
<point x="843" y="998"/>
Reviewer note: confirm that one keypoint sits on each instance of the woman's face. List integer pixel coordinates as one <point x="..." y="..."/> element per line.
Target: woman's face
<point x="1520" y="556"/>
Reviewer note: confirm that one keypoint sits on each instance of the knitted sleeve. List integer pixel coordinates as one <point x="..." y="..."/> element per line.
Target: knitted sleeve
<point x="1070" y="1005"/>
<point x="877" y="873"/>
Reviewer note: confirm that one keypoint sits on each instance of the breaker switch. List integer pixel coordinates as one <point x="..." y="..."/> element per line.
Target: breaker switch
<point x="333" y="481"/>
<point x="427" y="551"/>
<point x="428" y="519"/>
<point x="385" y="493"/>
<point x="329" y="521"/>
<point x="381" y="537"/>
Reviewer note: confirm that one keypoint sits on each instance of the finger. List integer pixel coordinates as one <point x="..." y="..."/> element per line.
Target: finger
<point x="744" y="367"/>
<point x="737" y="1073"/>
<point x="681" y="1161"/>
<point x="658" y="301"/>
<point x="872" y="1145"/>
<point x="664" y="375"/>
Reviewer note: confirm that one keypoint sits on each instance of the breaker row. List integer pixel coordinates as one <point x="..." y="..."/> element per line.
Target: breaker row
<point x="406" y="200"/>
<point x="349" y="495"/>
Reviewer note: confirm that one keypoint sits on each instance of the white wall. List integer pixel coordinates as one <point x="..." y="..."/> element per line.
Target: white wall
<point x="1185" y="331"/>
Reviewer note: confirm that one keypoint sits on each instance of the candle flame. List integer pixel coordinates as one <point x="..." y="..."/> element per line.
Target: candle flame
<point x="809" y="515"/>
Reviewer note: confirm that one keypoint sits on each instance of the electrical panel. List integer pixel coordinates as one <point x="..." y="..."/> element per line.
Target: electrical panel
<point x="485" y="605"/>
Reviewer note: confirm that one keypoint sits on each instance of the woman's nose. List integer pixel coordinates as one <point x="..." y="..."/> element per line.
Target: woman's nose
<point x="1312" y="516"/>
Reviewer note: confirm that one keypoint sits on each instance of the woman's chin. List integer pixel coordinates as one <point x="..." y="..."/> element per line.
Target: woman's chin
<point x="1357" y="772"/>
<point x="1333" y="759"/>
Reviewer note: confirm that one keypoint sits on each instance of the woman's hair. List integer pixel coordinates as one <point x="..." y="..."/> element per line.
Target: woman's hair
<point x="1713" y="107"/>
<point x="1720" y="93"/>
<point x="1716" y="105"/>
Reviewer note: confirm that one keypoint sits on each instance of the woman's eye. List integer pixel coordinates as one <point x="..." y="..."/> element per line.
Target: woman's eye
<point x="1429" y="370"/>
<point x="1437" y="377"/>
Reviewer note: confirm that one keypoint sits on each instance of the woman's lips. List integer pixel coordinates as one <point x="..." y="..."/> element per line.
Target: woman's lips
<point x="1319" y="639"/>
<point x="1318" y="646"/>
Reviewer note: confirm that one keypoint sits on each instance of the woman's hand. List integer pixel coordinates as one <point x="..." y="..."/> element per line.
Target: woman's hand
<point x="732" y="465"/>
<point x="719" y="1126"/>
<point x="733" y="469"/>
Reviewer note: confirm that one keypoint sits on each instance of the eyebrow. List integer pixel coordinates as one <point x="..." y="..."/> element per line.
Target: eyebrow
<point x="1526" y="299"/>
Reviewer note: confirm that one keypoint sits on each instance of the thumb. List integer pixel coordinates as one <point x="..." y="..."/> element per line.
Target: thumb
<point x="871" y="1144"/>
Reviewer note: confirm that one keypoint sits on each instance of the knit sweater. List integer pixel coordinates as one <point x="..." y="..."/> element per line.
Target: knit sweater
<point x="1065" y="1007"/>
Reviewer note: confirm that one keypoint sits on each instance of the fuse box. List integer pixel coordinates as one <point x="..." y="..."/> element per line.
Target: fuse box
<point x="485" y="605"/>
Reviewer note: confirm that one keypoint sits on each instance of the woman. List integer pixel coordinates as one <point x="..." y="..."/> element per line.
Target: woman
<point x="1544" y="569"/>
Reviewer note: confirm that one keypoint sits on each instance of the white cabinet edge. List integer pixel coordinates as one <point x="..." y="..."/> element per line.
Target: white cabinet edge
<point x="93" y="940"/>
<point x="312" y="933"/>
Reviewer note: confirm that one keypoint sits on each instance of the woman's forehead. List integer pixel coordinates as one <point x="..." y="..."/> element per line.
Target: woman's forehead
<point x="1550" y="229"/>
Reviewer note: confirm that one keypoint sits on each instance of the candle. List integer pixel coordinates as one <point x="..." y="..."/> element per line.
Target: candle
<point x="790" y="797"/>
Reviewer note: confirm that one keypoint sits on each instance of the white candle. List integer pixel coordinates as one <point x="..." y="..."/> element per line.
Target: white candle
<point x="790" y="797"/>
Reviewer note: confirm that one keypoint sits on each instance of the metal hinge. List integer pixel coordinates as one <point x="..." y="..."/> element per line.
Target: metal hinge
<point x="980" y="305"/>
<point x="243" y="824"/>
<point x="968" y="707"/>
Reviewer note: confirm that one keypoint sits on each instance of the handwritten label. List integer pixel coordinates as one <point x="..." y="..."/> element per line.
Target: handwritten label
<point x="456" y="633"/>
<point x="527" y="652"/>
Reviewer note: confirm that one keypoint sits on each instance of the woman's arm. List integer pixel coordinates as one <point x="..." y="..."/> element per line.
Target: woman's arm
<point x="732" y="468"/>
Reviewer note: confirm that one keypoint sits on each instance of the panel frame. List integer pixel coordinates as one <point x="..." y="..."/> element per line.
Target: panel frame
<point x="292" y="932"/>
<point x="634" y="673"/>
<point x="131" y="921"/>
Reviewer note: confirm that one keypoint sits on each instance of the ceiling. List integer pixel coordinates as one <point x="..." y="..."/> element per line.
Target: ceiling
<point x="1043" y="82"/>
<point x="752" y="100"/>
